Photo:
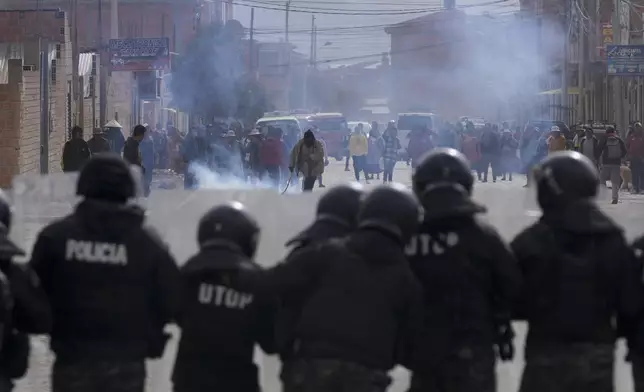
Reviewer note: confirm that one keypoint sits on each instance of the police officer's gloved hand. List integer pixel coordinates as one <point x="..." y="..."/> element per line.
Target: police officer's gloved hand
<point x="505" y="344"/>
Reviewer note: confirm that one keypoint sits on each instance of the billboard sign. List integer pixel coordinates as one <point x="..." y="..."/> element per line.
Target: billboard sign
<point x="625" y="60"/>
<point x="140" y="54"/>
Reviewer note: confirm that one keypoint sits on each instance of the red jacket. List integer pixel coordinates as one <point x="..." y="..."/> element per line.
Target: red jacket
<point x="271" y="153"/>
<point x="636" y="146"/>
<point x="471" y="149"/>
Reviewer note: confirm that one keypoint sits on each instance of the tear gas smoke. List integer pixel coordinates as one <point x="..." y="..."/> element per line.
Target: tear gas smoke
<point x="207" y="178"/>
<point x="476" y="65"/>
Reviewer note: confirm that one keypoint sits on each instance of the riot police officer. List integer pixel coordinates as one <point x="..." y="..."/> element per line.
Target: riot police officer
<point x="336" y="217"/>
<point x="223" y="317"/>
<point x="111" y="282"/>
<point x="30" y="311"/>
<point x="579" y="276"/>
<point x="362" y="302"/>
<point x="469" y="279"/>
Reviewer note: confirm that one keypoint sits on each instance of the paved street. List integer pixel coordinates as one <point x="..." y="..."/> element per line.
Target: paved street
<point x="175" y="212"/>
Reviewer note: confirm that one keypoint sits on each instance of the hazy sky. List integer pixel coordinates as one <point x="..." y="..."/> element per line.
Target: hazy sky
<point x="348" y="38"/>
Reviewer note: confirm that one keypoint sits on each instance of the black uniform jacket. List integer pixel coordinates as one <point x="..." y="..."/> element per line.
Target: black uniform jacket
<point x="363" y="304"/>
<point x="470" y="280"/>
<point x="290" y="306"/>
<point x="221" y="320"/>
<point x="579" y="275"/>
<point x="111" y="282"/>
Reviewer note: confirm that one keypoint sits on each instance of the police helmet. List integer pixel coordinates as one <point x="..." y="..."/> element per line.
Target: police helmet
<point x="5" y="211"/>
<point x="391" y="209"/>
<point x="340" y="204"/>
<point x="564" y="177"/>
<point x="229" y="224"/>
<point x="107" y="177"/>
<point x="442" y="167"/>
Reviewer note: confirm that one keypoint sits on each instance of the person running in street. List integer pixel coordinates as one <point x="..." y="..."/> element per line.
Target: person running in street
<point x="612" y="151"/>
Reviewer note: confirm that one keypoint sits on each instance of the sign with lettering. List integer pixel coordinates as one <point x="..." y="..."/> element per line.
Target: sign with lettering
<point x="625" y="60"/>
<point x="140" y="54"/>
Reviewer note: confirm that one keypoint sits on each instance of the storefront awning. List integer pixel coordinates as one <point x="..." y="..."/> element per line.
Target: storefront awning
<point x="557" y="91"/>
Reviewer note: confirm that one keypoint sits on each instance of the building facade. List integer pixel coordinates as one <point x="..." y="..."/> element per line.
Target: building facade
<point x="34" y="122"/>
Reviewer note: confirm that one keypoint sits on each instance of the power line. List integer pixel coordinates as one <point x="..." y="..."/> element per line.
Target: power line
<point x="390" y="53"/>
<point x="420" y="3"/>
<point x="368" y="56"/>
<point x="295" y="6"/>
<point x="275" y="7"/>
<point x="331" y="12"/>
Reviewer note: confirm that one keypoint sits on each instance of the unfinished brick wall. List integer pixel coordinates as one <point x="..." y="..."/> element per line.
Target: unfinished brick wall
<point x="20" y="127"/>
<point x="29" y="157"/>
<point x="10" y="107"/>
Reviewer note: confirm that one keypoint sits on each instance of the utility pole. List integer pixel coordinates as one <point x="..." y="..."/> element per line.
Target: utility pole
<point x="617" y="82"/>
<point x="305" y="85"/>
<point x="251" y="45"/>
<point x="315" y="47"/>
<point x="288" y="8"/>
<point x="288" y="56"/>
<point x="582" y="60"/>
<point x="76" y="91"/>
<point x="565" y="110"/>
<point x="103" y="71"/>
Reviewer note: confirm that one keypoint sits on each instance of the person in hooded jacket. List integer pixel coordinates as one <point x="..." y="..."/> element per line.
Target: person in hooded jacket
<point x="148" y="157"/>
<point x="30" y="311"/>
<point x="111" y="282"/>
<point x="307" y="158"/>
<point x="336" y="217"/>
<point x="588" y="145"/>
<point x="75" y="152"/>
<point x="222" y="318"/>
<point x="490" y="147"/>
<point x="469" y="277"/>
<point x="131" y="150"/>
<point x="362" y="303"/>
<point x="612" y="151"/>
<point x="98" y="144"/>
<point x="579" y="276"/>
<point x="509" y="146"/>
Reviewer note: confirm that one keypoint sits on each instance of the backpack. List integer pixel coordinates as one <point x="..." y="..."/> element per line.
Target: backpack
<point x="613" y="148"/>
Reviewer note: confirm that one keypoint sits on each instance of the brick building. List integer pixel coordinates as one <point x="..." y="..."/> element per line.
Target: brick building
<point x="153" y="18"/>
<point x="25" y="146"/>
<point x="174" y="19"/>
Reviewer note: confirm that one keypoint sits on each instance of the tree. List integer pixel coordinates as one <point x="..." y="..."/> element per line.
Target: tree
<point x="210" y="79"/>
